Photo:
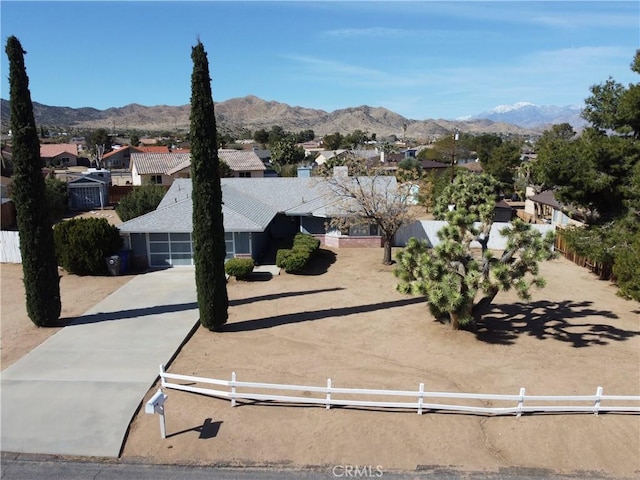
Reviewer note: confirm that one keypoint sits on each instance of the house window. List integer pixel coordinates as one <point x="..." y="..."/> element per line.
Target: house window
<point x="244" y="174"/>
<point x="156" y="179"/>
<point x="364" y="230"/>
<point x="229" y="245"/>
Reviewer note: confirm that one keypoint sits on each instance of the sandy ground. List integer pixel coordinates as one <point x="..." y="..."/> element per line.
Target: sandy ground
<point x="344" y="320"/>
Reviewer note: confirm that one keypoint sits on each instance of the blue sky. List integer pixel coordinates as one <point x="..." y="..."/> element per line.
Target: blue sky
<point x="421" y="59"/>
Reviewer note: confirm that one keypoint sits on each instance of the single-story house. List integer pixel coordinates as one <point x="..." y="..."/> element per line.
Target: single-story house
<point x="243" y="164"/>
<point x="154" y="167"/>
<point x="545" y="208"/>
<point x="63" y="154"/>
<point x="258" y="213"/>
<point x="163" y="168"/>
<point x="325" y="155"/>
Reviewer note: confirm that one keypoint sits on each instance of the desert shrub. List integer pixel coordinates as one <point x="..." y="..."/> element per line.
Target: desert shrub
<point x="57" y="198"/>
<point x="141" y="200"/>
<point x="83" y="243"/>
<point x="297" y="257"/>
<point x="240" y="268"/>
<point x="290" y="260"/>
<point x="306" y="242"/>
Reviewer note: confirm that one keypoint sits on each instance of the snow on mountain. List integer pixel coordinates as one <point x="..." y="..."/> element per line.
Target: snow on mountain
<point x="510" y="108"/>
<point x="529" y="115"/>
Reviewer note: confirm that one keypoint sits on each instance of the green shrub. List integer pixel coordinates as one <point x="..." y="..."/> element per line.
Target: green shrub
<point x="297" y="257"/>
<point x="57" y="198"/>
<point x="240" y="268"/>
<point x="291" y="261"/>
<point x="627" y="269"/>
<point x="141" y="200"/>
<point x="83" y="243"/>
<point x="306" y="242"/>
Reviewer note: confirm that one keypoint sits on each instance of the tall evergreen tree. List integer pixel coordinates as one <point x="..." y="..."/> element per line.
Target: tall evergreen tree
<point x="208" y="227"/>
<point x="39" y="265"/>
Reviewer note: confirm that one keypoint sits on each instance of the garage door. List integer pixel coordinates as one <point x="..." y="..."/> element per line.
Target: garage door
<point x="175" y="249"/>
<point x="170" y="249"/>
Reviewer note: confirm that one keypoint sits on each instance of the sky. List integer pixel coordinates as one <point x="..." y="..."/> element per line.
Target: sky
<point x="420" y="59"/>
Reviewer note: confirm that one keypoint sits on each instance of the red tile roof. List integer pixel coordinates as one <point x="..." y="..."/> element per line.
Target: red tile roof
<point x="52" y="150"/>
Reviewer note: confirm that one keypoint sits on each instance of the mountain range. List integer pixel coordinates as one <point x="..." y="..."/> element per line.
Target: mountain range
<point x="528" y="115"/>
<point x="253" y="113"/>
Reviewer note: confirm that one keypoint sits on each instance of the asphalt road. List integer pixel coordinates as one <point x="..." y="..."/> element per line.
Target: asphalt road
<point x="15" y="467"/>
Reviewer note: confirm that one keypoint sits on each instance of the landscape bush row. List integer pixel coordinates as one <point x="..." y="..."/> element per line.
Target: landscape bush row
<point x="294" y="259"/>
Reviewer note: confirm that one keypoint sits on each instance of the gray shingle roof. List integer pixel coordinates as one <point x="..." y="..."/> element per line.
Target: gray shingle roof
<point x="170" y="163"/>
<point x="241" y="160"/>
<point x="249" y="204"/>
<point x="157" y="163"/>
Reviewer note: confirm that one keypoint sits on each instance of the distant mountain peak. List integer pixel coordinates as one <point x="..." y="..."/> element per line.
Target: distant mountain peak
<point x="510" y="108"/>
<point x="529" y="115"/>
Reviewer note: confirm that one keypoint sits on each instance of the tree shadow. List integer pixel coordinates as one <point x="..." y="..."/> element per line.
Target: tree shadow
<point x="207" y="430"/>
<point x="319" y="264"/>
<point x="124" y="314"/>
<point x="297" y="317"/>
<point x="278" y="296"/>
<point x="543" y="319"/>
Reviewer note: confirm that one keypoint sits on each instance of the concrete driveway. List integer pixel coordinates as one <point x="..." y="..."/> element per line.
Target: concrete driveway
<point x="76" y="393"/>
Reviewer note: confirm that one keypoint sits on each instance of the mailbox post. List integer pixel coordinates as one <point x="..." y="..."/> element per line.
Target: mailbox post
<point x="156" y="405"/>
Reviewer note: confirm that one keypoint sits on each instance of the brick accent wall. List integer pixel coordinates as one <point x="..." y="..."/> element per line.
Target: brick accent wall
<point x="351" y="242"/>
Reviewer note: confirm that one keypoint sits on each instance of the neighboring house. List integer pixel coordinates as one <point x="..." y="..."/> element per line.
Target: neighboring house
<point x="544" y="208"/>
<point x="120" y="157"/>
<point x="263" y="154"/>
<point x="258" y="214"/>
<point x="243" y="163"/>
<point x="326" y="155"/>
<point x="153" y="149"/>
<point x="163" y="168"/>
<point x="89" y="191"/>
<point x="153" y="168"/>
<point x="63" y="154"/>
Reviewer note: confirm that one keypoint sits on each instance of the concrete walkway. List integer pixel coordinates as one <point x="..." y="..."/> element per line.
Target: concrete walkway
<point x="76" y="393"/>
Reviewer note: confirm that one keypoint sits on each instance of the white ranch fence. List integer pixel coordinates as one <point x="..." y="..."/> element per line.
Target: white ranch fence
<point x="10" y="247"/>
<point x="420" y="399"/>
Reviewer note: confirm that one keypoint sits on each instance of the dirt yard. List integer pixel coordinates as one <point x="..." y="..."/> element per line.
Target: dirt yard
<point x="344" y="320"/>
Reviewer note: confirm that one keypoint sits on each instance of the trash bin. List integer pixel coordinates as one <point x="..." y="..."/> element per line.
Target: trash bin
<point x="124" y="261"/>
<point x="113" y="265"/>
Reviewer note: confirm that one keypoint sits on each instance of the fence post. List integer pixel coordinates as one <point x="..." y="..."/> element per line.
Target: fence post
<point x="596" y="406"/>
<point x="233" y="389"/>
<point x="521" y="402"/>
<point x="162" y="372"/>
<point x="420" y="398"/>
<point x="328" y="394"/>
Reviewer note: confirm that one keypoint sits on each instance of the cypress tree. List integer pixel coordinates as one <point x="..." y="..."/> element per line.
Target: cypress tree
<point x="39" y="265"/>
<point x="209" y="248"/>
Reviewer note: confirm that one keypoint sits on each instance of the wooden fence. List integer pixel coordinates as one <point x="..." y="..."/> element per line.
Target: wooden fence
<point x="421" y="400"/>
<point x="602" y="269"/>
